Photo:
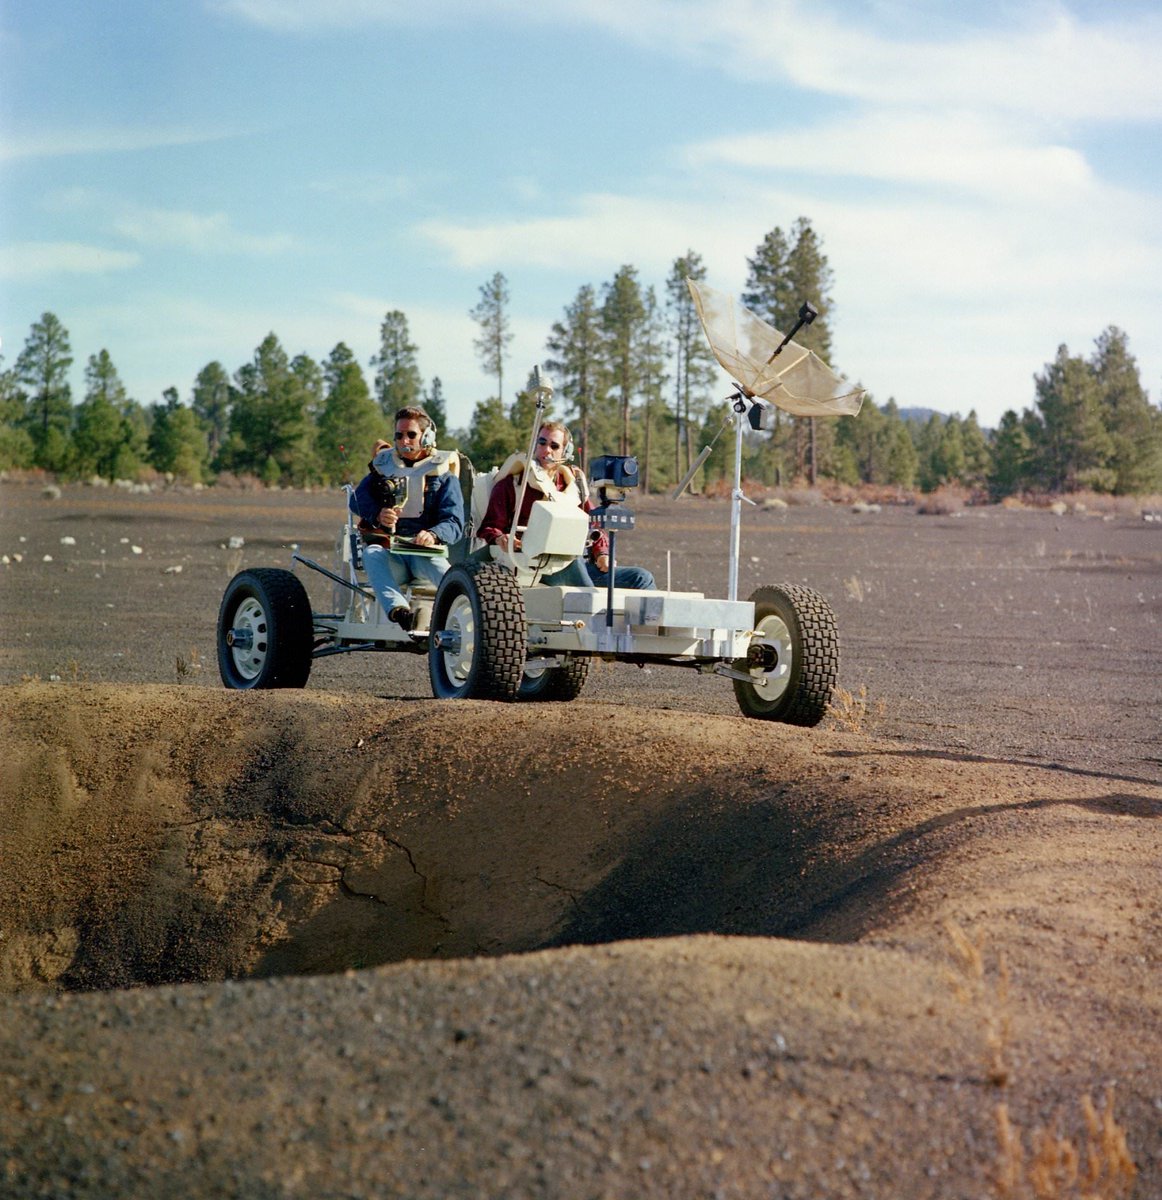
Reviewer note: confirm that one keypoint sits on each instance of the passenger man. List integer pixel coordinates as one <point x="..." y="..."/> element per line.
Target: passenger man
<point x="551" y="477"/>
<point x="410" y="508"/>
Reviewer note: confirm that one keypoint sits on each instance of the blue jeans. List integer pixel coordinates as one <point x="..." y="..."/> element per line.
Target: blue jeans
<point x="637" y="578"/>
<point x="388" y="572"/>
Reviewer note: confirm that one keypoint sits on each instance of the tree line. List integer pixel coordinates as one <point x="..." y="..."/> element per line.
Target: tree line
<point x="632" y="372"/>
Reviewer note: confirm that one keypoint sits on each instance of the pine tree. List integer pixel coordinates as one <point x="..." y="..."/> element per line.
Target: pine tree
<point x="769" y="292"/>
<point x="809" y="277"/>
<point x="652" y="346"/>
<point x="211" y="400"/>
<point x="269" y="426"/>
<point x="436" y="408"/>
<point x="781" y="276"/>
<point x="574" y="365"/>
<point x="1010" y="469"/>
<point x="1071" y="447"/>
<point x="16" y="448"/>
<point x="178" y="444"/>
<point x="103" y="441"/>
<point x="903" y="462"/>
<point x="492" y="437"/>
<point x="1134" y="425"/>
<point x="867" y="437"/>
<point x="623" y="316"/>
<point x="350" y="422"/>
<point x="42" y="368"/>
<point x="693" y="358"/>
<point x="977" y="457"/>
<point x="397" y="381"/>
<point x="491" y="314"/>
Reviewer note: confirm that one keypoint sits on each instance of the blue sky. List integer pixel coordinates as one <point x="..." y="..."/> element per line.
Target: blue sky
<point x="178" y="179"/>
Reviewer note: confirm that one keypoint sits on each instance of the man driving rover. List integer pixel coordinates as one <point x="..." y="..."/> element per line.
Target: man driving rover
<point x="410" y="505"/>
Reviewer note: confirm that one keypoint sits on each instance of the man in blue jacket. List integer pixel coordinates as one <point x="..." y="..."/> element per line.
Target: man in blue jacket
<point x="411" y="509"/>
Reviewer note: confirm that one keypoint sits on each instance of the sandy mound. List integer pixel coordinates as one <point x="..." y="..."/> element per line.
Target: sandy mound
<point x="823" y="1038"/>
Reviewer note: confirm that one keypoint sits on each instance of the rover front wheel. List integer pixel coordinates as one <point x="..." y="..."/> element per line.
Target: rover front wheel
<point x="793" y="660"/>
<point x="265" y="631"/>
<point x="476" y="647"/>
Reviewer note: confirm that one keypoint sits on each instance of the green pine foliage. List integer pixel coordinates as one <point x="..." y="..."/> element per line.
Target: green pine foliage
<point x="397" y="376"/>
<point x="42" y="371"/>
<point x="491" y="314"/>
<point x="632" y="372"/>
<point x="350" y="422"/>
<point x="177" y="444"/>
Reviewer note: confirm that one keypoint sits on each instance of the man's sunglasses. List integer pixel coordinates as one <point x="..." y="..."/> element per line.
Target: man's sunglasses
<point x="406" y="435"/>
<point x="546" y="442"/>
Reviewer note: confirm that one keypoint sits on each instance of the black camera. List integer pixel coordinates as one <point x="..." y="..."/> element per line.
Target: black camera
<point x="613" y="471"/>
<point x="390" y="490"/>
<point x="611" y="475"/>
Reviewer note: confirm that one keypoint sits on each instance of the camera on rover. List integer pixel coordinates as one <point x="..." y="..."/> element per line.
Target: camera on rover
<point x="611" y="475"/>
<point x="613" y="471"/>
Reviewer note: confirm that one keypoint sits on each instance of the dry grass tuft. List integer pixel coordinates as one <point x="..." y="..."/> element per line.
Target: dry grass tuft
<point x="973" y="987"/>
<point x="1055" y="1168"/>
<point x="852" y="712"/>
<point x="191" y="665"/>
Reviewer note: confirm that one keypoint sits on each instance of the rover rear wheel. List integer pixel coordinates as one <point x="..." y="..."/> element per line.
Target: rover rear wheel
<point x="793" y="661"/>
<point x="565" y="682"/>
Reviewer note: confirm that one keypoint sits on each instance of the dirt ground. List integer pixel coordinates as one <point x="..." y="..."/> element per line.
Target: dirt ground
<point x="350" y="941"/>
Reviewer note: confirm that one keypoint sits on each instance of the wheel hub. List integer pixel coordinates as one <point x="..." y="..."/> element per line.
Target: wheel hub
<point x="457" y="640"/>
<point x="248" y="638"/>
<point x="769" y="658"/>
<point x="447" y="640"/>
<point x="762" y="656"/>
<point x="240" y="639"/>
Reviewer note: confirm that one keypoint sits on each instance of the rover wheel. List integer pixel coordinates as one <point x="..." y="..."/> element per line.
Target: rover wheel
<point x="794" y="657"/>
<point x="265" y="631"/>
<point x="565" y="682"/>
<point x="476" y="647"/>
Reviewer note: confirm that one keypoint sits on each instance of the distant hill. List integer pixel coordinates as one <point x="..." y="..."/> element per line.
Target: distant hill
<point x="920" y="415"/>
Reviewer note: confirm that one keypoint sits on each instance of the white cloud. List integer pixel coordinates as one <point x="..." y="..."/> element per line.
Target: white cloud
<point x="299" y="16"/>
<point x="203" y="233"/>
<point x="962" y="152"/>
<point x="58" y="143"/>
<point x="39" y="260"/>
<point x="1041" y="59"/>
<point x="606" y="230"/>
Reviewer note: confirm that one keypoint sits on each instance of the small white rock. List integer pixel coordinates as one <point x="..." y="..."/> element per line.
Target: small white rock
<point x="68" y="540"/>
<point x="137" y="549"/>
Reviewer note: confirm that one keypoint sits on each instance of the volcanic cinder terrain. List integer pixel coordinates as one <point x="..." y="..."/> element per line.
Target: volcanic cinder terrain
<point x="350" y="941"/>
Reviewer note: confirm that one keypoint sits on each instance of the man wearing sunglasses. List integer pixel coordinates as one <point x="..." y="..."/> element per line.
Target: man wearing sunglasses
<point x="552" y="478"/>
<point x="411" y="509"/>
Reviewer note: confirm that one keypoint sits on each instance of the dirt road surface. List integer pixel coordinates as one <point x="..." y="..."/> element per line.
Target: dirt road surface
<point x="351" y="941"/>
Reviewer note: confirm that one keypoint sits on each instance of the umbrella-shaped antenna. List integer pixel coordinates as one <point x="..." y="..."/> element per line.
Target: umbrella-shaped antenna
<point x="766" y="364"/>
